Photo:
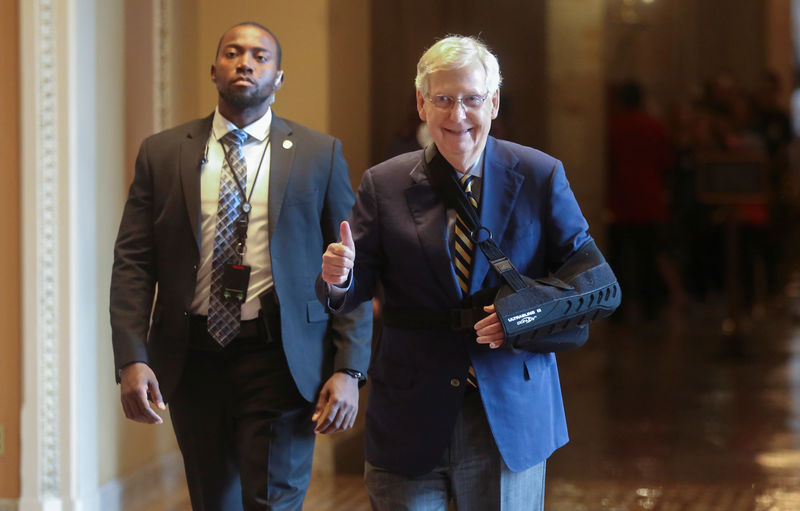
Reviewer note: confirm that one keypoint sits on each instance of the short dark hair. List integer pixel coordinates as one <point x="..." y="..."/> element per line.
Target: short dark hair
<point x="258" y="26"/>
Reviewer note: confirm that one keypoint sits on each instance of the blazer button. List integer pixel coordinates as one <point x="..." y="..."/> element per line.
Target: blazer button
<point x="455" y="382"/>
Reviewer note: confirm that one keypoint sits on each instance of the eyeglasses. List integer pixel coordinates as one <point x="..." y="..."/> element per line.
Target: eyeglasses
<point x="471" y="102"/>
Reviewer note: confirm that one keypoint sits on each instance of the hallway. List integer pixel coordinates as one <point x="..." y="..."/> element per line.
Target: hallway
<point x="665" y="417"/>
<point x="662" y="417"/>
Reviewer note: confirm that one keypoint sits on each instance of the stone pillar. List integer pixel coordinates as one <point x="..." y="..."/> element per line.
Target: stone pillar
<point x="71" y="136"/>
<point x="575" y="99"/>
<point x="778" y="46"/>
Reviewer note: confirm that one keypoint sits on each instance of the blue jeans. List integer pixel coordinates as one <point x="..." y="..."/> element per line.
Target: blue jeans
<point x="471" y="473"/>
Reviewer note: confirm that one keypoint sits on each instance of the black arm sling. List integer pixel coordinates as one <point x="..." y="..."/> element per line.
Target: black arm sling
<point x="536" y="314"/>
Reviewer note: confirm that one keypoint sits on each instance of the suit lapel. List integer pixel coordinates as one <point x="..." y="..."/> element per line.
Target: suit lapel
<point x="191" y="154"/>
<point x="282" y="148"/>
<point x="499" y="190"/>
<point x="430" y="219"/>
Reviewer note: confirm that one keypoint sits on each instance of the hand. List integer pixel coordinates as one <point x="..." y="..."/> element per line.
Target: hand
<point x="489" y="329"/>
<point x="338" y="258"/>
<point x="136" y="380"/>
<point x="338" y="404"/>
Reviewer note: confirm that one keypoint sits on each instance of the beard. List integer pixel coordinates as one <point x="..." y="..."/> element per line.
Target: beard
<point x="245" y="99"/>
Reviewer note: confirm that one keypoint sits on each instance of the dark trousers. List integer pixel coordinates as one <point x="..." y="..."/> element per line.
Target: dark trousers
<point x="244" y="430"/>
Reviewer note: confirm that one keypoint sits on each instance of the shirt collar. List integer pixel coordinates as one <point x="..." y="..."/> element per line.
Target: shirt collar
<point x="258" y="129"/>
<point x="477" y="167"/>
<point x="475" y="170"/>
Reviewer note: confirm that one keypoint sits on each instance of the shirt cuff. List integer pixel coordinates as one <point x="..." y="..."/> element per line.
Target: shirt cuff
<point x="337" y="294"/>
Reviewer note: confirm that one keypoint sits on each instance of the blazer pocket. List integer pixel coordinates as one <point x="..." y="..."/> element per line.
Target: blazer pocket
<point x="535" y="366"/>
<point x="315" y="312"/>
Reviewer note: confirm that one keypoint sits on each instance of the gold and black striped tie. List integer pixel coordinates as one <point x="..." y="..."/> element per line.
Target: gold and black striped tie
<point x="462" y="246"/>
<point x="462" y="253"/>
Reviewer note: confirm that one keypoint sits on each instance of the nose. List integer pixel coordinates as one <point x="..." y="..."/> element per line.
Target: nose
<point x="458" y="111"/>
<point x="245" y="62"/>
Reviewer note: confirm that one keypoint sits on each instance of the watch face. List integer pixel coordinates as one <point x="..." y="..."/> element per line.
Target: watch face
<point x="352" y="372"/>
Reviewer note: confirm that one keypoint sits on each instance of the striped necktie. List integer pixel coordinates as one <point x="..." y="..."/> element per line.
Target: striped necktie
<point x="224" y="315"/>
<point x="462" y="246"/>
<point x="462" y="253"/>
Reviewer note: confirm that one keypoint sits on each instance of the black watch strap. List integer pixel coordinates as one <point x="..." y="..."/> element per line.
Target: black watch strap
<point x="358" y="375"/>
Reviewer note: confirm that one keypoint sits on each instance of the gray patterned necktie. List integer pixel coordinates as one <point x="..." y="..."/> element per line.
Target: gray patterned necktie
<point x="224" y="315"/>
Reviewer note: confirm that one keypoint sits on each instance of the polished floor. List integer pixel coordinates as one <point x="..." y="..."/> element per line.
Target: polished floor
<point x="668" y="415"/>
<point x="673" y="415"/>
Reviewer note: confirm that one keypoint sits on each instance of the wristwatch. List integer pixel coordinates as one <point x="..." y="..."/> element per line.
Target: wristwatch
<point x="358" y="375"/>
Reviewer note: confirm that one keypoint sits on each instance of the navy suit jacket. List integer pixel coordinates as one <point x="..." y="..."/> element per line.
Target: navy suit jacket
<point x="159" y="244"/>
<point x="418" y="375"/>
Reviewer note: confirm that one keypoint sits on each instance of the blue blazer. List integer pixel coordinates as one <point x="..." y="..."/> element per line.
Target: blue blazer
<point x="418" y="377"/>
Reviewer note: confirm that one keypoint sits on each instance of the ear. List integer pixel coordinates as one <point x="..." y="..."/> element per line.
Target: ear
<point x="213" y="73"/>
<point x="278" y="83"/>
<point x="495" y="103"/>
<point x="421" y="107"/>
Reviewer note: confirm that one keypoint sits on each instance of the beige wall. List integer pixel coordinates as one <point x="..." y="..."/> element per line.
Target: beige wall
<point x="325" y="60"/>
<point x="575" y="104"/>
<point x="349" y="85"/>
<point x="674" y="47"/>
<point x="125" y="106"/>
<point x="302" y="30"/>
<point x="10" y="361"/>
<point x="779" y="51"/>
<point x="401" y="31"/>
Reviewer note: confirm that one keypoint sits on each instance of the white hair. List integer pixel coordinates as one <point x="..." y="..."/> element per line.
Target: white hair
<point x="457" y="52"/>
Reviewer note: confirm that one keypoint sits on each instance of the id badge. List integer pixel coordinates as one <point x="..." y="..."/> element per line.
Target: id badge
<point x="235" y="279"/>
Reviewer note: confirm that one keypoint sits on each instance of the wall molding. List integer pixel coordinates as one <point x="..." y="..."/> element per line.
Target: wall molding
<point x="40" y="93"/>
<point x="47" y="279"/>
<point x="162" y="57"/>
<point x="161" y="481"/>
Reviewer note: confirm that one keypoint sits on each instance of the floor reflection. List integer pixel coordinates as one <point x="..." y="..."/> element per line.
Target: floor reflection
<point x="672" y="415"/>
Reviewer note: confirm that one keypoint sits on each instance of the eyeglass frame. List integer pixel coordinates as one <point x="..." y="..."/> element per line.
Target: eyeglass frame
<point x="456" y="101"/>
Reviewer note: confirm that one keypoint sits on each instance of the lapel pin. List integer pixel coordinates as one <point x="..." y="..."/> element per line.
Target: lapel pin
<point x="287" y="144"/>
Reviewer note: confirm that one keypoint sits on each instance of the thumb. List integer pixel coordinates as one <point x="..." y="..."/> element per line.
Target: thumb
<point x="321" y="402"/>
<point x="346" y="235"/>
<point x="155" y="393"/>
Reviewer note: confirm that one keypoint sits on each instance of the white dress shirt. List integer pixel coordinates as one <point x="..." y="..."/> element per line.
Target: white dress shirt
<point x="257" y="249"/>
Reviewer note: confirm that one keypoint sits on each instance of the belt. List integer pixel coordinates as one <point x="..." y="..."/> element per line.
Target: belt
<point x="450" y="319"/>
<point x="248" y="327"/>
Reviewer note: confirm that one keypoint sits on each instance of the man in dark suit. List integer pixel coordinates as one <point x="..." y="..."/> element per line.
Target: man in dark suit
<point x="454" y="413"/>
<point x="226" y="218"/>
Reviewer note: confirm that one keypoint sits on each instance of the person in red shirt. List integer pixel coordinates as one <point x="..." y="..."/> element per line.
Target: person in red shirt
<point x="639" y="156"/>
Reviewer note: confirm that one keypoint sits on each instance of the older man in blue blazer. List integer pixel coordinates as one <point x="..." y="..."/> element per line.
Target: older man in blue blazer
<point x="452" y="414"/>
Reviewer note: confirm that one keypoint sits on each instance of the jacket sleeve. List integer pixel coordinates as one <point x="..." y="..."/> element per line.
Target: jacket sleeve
<point x="133" y="277"/>
<point x="351" y="330"/>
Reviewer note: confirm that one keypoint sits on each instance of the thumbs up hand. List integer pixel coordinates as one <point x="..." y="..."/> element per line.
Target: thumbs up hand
<point x="337" y="261"/>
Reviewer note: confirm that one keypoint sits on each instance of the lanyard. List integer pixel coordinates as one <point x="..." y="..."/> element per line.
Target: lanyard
<point x="246" y="204"/>
<point x="240" y="231"/>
